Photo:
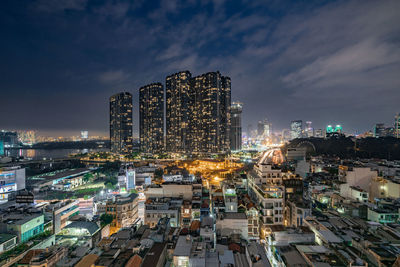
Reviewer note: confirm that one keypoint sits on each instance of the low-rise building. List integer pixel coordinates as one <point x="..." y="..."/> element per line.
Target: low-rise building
<point x="155" y="209"/>
<point x="43" y="257"/>
<point x="24" y="224"/>
<point x="60" y="213"/>
<point x="232" y="224"/>
<point x="7" y="242"/>
<point x="124" y="210"/>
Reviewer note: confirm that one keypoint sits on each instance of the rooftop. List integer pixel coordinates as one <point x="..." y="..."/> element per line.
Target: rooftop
<point x="62" y="174"/>
<point x="6" y="237"/>
<point x="183" y="246"/>
<point x="154" y="254"/>
<point x="90" y="226"/>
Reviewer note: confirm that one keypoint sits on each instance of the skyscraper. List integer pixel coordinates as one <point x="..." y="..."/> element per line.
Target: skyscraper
<point x="151" y="118"/>
<point x="210" y="122"/>
<point x="178" y="106"/>
<point x="397" y="126"/>
<point x="379" y="130"/>
<point x="84" y="135"/>
<point x="264" y="128"/>
<point x="198" y="113"/>
<point x="121" y="123"/>
<point x="296" y="128"/>
<point x="309" y="130"/>
<point x="236" y="126"/>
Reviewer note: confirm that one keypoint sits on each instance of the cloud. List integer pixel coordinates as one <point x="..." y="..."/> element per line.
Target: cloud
<point x="329" y="60"/>
<point x="113" y="76"/>
<point x="60" y="5"/>
<point x="355" y="59"/>
<point x="114" y="9"/>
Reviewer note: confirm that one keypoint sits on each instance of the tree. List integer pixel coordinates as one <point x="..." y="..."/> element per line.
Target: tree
<point x="134" y="191"/>
<point x="105" y="219"/>
<point x="109" y="185"/>
<point x="87" y="177"/>
<point x="158" y="173"/>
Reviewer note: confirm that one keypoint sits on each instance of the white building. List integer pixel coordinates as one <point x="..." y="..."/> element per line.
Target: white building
<point x="231" y="223"/>
<point x="12" y="179"/>
<point x="267" y="190"/>
<point x="357" y="176"/>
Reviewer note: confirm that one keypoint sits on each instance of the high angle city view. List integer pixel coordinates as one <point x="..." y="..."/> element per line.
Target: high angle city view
<point x="200" y="133"/>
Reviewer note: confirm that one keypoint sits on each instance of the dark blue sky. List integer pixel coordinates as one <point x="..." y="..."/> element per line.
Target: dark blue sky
<point x="324" y="61"/>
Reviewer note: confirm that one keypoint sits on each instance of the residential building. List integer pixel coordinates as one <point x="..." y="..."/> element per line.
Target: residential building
<point x="171" y="190"/>
<point x="151" y="118"/>
<point x="43" y="257"/>
<point x="355" y="176"/>
<point x="157" y="208"/>
<point x="267" y="191"/>
<point x="124" y="209"/>
<point x="121" y="123"/>
<point x="397" y="126"/>
<point x="384" y="188"/>
<point x="296" y="211"/>
<point x="179" y="104"/>
<point x="232" y="225"/>
<point x="198" y="116"/>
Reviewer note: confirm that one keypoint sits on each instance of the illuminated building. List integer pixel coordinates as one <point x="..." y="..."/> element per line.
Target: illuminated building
<point x="127" y="178"/>
<point x="177" y="117"/>
<point x="330" y="131"/>
<point x="61" y="212"/>
<point x="296" y="128"/>
<point x="22" y="223"/>
<point x="124" y="209"/>
<point x="84" y="135"/>
<point x="236" y="126"/>
<point x="267" y="190"/>
<point x="9" y="139"/>
<point x="27" y="137"/>
<point x="309" y="130"/>
<point x="397" y="126"/>
<point x="264" y="129"/>
<point x="151" y="118"/>
<point x="156" y="208"/>
<point x="379" y="130"/>
<point x="121" y="123"/>
<point x="12" y="179"/>
<point x="211" y="113"/>
<point x="319" y="133"/>
<point x="198" y="116"/>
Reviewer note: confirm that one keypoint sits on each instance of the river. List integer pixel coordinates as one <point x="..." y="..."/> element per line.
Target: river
<point x="39" y="154"/>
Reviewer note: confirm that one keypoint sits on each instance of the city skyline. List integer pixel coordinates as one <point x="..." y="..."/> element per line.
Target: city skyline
<point x="276" y="54"/>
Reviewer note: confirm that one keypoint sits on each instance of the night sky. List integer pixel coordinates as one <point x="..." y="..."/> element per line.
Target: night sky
<point x="323" y="61"/>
